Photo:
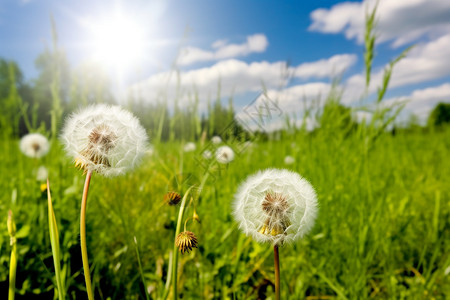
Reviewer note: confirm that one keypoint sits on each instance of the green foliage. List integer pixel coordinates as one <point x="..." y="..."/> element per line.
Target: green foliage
<point x="382" y="232"/>
<point x="440" y="115"/>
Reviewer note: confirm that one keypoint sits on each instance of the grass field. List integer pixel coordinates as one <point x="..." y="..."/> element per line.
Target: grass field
<point x="383" y="229"/>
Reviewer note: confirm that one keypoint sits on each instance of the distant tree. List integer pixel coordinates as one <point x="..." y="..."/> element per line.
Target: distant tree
<point x="440" y="115"/>
<point x="52" y="64"/>
<point x="15" y="99"/>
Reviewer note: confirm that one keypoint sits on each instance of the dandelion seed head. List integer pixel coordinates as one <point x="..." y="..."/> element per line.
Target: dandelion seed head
<point x="34" y="145"/>
<point x="216" y="140"/>
<point x="289" y="160"/>
<point x="189" y="147"/>
<point x="42" y="174"/>
<point x="224" y="155"/>
<point x="207" y="154"/>
<point x="276" y="206"/>
<point x="106" y="139"/>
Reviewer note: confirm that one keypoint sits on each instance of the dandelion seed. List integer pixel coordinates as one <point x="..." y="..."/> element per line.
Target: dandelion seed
<point x="34" y="145"/>
<point x="216" y="140"/>
<point x="289" y="160"/>
<point x="224" y="155"/>
<point x="186" y="241"/>
<point x="189" y="147"/>
<point x="276" y="206"/>
<point x="106" y="139"/>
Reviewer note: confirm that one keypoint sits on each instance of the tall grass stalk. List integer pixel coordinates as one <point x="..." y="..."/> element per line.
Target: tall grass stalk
<point x="54" y="240"/>
<point x="13" y="259"/>
<point x="84" y="253"/>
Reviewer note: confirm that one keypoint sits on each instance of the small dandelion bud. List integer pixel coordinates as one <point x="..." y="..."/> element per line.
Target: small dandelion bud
<point x="172" y="198"/>
<point x="11" y="224"/>
<point x="275" y="206"/>
<point x="186" y="241"/>
<point x="224" y="155"/>
<point x="34" y="145"/>
<point x="106" y="139"/>
<point x="11" y="228"/>
<point x="195" y="216"/>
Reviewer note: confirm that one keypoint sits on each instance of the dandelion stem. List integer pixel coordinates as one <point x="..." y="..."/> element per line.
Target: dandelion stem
<point x="12" y="272"/>
<point x="276" y="258"/>
<point x="84" y="254"/>
<point x="175" y="248"/>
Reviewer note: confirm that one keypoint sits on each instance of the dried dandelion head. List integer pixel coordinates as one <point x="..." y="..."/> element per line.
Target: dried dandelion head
<point x="224" y="155"/>
<point x="106" y="139"/>
<point x="34" y="145"/>
<point x="172" y="198"/>
<point x="186" y="241"/>
<point x="275" y="206"/>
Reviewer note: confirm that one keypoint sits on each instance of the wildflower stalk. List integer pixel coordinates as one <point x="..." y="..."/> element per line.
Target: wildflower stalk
<point x="13" y="260"/>
<point x="175" y="248"/>
<point x="84" y="254"/>
<point x="276" y="258"/>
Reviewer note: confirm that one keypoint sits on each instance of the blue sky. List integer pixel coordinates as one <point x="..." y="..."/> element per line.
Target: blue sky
<point x="242" y="44"/>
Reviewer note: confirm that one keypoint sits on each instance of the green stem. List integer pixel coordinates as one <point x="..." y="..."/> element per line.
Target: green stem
<point x="169" y="277"/>
<point x="12" y="272"/>
<point x="84" y="254"/>
<point x="175" y="248"/>
<point x="140" y="269"/>
<point x="276" y="258"/>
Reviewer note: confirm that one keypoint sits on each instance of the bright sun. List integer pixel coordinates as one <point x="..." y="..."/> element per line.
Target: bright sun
<point x="117" y="42"/>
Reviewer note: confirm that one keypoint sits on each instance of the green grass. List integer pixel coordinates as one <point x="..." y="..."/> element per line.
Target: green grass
<point x="383" y="229"/>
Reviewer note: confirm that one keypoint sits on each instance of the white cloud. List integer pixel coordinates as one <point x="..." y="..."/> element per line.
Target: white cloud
<point x="222" y="50"/>
<point x="237" y="77"/>
<point x="422" y="101"/>
<point x="323" y="68"/>
<point x="269" y="110"/>
<point x="400" y="21"/>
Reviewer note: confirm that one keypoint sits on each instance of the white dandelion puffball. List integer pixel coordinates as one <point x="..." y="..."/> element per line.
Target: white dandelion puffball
<point x="42" y="174"/>
<point x="106" y="139"/>
<point x="34" y="145"/>
<point x="224" y="154"/>
<point x="216" y="140"/>
<point x="275" y="205"/>
<point x="189" y="147"/>
<point x="289" y="160"/>
<point x="207" y="154"/>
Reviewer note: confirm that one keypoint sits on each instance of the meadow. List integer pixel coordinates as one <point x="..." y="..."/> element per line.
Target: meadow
<point x="382" y="229"/>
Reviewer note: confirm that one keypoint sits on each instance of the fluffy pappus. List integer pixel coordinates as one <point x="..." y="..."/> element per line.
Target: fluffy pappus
<point x="276" y="206"/>
<point x="34" y="145"/>
<point x="106" y="139"/>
